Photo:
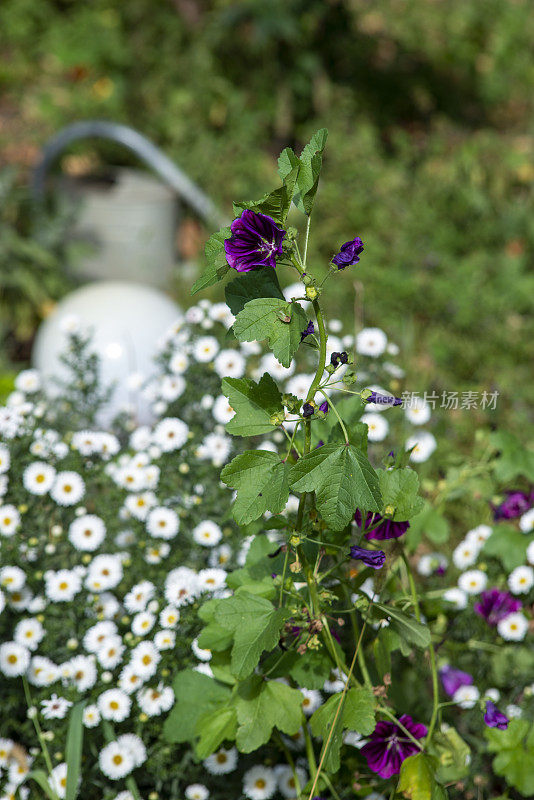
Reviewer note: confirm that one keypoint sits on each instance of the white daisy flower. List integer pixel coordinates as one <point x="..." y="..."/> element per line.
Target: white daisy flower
<point x="513" y="711"/>
<point x="82" y="672"/>
<point x="170" y="434"/>
<point x="12" y="578"/>
<point x="430" y="562"/>
<point x="371" y="342"/>
<point x="526" y="521"/>
<point x="196" y="791"/>
<point x="38" y="478"/>
<point x="28" y="381"/>
<point x="466" y="696"/>
<point x="417" y="411"/>
<point x="521" y="580"/>
<point x="91" y="716"/>
<point x="530" y="553"/>
<point x="220" y="556"/>
<point x="201" y="654"/>
<point x="353" y="739"/>
<point x="155" y="701"/>
<point x="5" y="458"/>
<point x="286" y="780"/>
<point x="169" y="617"/>
<point x="9" y="520"/>
<point x="259" y="783"/>
<point x="110" y="653"/>
<point x="29" y="632"/>
<point x="135" y="745"/>
<point x="465" y="554"/>
<point x="162" y="523"/>
<point x="230" y="364"/>
<point x="58" y="780"/>
<point x="312" y="701"/>
<point x="165" y="640"/>
<point x="115" y="761"/>
<point x="14" y="659"/>
<point x="56" y="707"/>
<point x="270" y="364"/>
<point x="87" y="532"/>
<point x="97" y="635"/>
<point x="143" y="623"/>
<point x="222" y="410"/>
<point x="145" y="658"/>
<point x="378" y="426"/>
<point x="114" y="704"/>
<point x="68" y="488"/>
<point x="211" y="579"/>
<point x="479" y="535"/>
<point x="42" y="671"/>
<point x="139" y="505"/>
<point x="105" y="572"/>
<point x="222" y="762"/>
<point x="423" y="444"/>
<point x="141" y="438"/>
<point x="513" y="628"/>
<point x="457" y="597"/>
<point x="207" y="533"/>
<point x="139" y="595"/>
<point x="215" y="448"/>
<point x="179" y="362"/>
<point x="473" y="581"/>
<point x="205" y="349"/>
<point x="62" y="586"/>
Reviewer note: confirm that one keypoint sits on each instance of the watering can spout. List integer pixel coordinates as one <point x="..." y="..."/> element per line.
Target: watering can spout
<point x="142" y="147"/>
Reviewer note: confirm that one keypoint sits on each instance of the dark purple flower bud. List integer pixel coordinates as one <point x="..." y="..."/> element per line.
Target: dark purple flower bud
<point x="383" y="399"/>
<point x="349" y="253"/>
<point x="308" y="410"/>
<point x="338" y="358"/>
<point x="388" y="745"/>
<point x="255" y="242"/>
<point x="514" y="505"/>
<point x="371" y="558"/>
<point x="320" y="443"/>
<point x="452" y="679"/>
<point x="495" y="605"/>
<point x="308" y="332"/>
<point x="379" y="527"/>
<point x="324" y="407"/>
<point x="495" y="718"/>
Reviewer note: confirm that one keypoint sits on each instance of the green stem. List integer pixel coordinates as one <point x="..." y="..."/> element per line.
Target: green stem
<point x="286" y="559"/>
<point x="431" y="652"/>
<point x="334" y="409"/>
<point x="307" y="236"/>
<point x="309" y="750"/>
<point x="322" y="351"/>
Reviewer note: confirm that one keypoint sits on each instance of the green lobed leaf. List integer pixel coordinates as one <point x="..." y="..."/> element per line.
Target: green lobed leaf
<point x="311" y="160"/>
<point x="514" y="759"/>
<point x="452" y="753"/>
<point x="261" y="481"/>
<point x="514" y="458"/>
<point x="430" y="523"/>
<point x="357" y="714"/>
<point x="343" y="480"/>
<point x="417" y="778"/>
<point x="249" y="286"/>
<point x="196" y="695"/>
<point x="263" y="705"/>
<point x="255" y="624"/>
<point x="217" y="266"/>
<point x="213" y="728"/>
<point x="280" y="322"/>
<point x="311" y="669"/>
<point x="400" y="490"/>
<point x="254" y="404"/>
<point x="508" y="545"/>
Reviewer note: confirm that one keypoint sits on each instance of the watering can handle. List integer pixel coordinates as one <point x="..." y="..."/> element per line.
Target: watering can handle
<point x="142" y="147"/>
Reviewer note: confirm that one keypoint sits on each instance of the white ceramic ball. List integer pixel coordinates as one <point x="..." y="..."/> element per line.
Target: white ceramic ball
<point x="127" y="321"/>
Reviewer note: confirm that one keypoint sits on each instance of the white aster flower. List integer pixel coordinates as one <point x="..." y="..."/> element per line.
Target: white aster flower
<point x="211" y="579"/>
<point x="87" y="532"/>
<point x="465" y="554"/>
<point x="311" y="702"/>
<point x="62" y="586"/>
<point x="172" y="387"/>
<point x="145" y="658"/>
<point x="521" y="580"/>
<point x="378" y="426"/>
<point x="513" y="628"/>
<point x="179" y="362"/>
<point x="230" y="364"/>
<point x="91" y="716"/>
<point x="5" y="459"/>
<point x="207" y="533"/>
<point x="530" y="553"/>
<point x="457" y="597"/>
<point x="221" y="762"/>
<point x="138" y="597"/>
<point x="526" y="521"/>
<point x="38" y="478"/>
<point x="417" y="411"/>
<point x="201" y="653"/>
<point x="466" y="696"/>
<point x="42" y="671"/>
<point x="139" y="505"/>
<point x="170" y="434"/>
<point x="110" y="653"/>
<point x="114" y="704"/>
<point x="29" y="632"/>
<point x="56" y="707"/>
<point x="162" y="523"/>
<point x="143" y="623"/>
<point x="222" y="410"/>
<point x="371" y="342"/>
<point x="12" y="578"/>
<point x="165" y="640"/>
<point x="105" y="572"/>
<point x="14" y="659"/>
<point x="96" y="636"/>
<point x="154" y="702"/>
<point x="205" y="349"/>
<point x="9" y="520"/>
<point x="58" y="779"/>
<point x="115" y="761"/>
<point x="473" y="581"/>
<point x="259" y="783"/>
<point x="82" y="672"/>
<point x="479" y="535"/>
<point x="286" y="781"/>
<point x="423" y="444"/>
<point x="28" y="381"/>
<point x="169" y="617"/>
<point x="68" y="488"/>
<point x="196" y="791"/>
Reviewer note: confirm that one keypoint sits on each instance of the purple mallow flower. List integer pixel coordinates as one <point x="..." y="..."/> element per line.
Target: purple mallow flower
<point x="514" y="505"/>
<point x="308" y="410"/>
<point x="255" y="242"/>
<point x="389" y="745"/>
<point x="382" y="399"/>
<point x="380" y="527"/>
<point x="349" y="253"/>
<point x="308" y="331"/>
<point x="495" y="605"/>
<point x="452" y="679"/>
<point x="495" y="718"/>
<point x="371" y="558"/>
<point x="324" y="407"/>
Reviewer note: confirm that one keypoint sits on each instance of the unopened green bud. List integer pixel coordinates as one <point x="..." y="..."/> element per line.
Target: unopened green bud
<point x="277" y="418"/>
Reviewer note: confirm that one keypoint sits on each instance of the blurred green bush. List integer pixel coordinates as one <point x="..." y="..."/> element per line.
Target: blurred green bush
<point x="429" y="104"/>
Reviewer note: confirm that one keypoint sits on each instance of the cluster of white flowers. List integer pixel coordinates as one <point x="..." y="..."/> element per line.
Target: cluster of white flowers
<point x="106" y="541"/>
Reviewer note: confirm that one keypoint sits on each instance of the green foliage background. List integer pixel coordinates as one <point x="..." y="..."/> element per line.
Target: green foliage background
<point x="431" y="159"/>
